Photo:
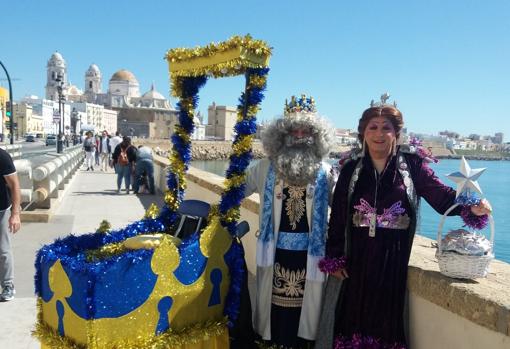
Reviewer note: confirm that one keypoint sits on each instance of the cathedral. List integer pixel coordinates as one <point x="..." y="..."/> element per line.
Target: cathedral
<point x="149" y="115"/>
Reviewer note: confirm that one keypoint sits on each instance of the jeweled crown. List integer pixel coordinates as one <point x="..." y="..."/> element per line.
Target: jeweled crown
<point x="299" y="105"/>
<point x="384" y="98"/>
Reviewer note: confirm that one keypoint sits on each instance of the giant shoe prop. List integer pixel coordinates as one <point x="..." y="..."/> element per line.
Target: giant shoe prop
<point x="140" y="287"/>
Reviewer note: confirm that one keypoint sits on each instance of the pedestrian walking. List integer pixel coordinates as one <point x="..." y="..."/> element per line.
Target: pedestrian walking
<point x="124" y="158"/>
<point x="10" y="200"/>
<point x="89" y="146"/>
<point x="104" y="151"/>
<point x="96" y="153"/>
<point x="114" y="142"/>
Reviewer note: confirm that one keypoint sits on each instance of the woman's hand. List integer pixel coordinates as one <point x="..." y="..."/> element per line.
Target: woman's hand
<point x="340" y="274"/>
<point x="484" y="207"/>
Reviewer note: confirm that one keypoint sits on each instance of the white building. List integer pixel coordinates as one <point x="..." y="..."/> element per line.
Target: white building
<point x="109" y="121"/>
<point x="94" y="117"/>
<point x="148" y="115"/>
<point x="345" y="136"/>
<point x="199" y="132"/>
<point x="220" y="122"/>
<point x="48" y="109"/>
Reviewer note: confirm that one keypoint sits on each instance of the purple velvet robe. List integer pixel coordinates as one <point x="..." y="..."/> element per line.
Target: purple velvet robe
<point x="371" y="303"/>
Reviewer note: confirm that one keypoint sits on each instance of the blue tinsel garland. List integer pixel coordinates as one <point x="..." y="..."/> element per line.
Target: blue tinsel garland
<point x="232" y="198"/>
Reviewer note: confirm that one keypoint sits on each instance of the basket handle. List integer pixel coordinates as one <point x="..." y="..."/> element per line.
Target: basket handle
<point x="491" y="223"/>
<point x="440" y="228"/>
<point x="441" y="223"/>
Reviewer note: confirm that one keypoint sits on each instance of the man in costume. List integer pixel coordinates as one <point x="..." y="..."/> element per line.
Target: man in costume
<point x="295" y="186"/>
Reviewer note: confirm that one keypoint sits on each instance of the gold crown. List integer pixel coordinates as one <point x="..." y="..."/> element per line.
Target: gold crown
<point x="299" y="105"/>
<point x="205" y="296"/>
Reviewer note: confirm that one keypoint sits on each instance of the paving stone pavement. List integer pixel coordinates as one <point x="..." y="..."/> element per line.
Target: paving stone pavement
<point x="91" y="197"/>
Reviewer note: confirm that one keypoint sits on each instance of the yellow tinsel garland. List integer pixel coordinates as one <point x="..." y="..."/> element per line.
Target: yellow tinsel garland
<point x="104" y="226"/>
<point x="227" y="58"/>
<point x="242" y="145"/>
<point x="234" y="181"/>
<point x="105" y="251"/>
<point x="152" y="212"/>
<point x="184" y="54"/>
<point x="232" y="215"/>
<point x="170" y="339"/>
<point x="171" y="200"/>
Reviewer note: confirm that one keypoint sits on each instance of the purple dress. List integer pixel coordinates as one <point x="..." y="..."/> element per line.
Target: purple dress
<point x="370" y="308"/>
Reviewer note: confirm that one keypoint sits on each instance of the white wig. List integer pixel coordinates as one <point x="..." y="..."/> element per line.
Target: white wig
<point x="274" y="136"/>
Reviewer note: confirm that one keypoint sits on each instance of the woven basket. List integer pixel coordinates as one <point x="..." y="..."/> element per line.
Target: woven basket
<point x="460" y="266"/>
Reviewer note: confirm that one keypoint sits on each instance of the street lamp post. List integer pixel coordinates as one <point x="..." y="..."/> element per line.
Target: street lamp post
<point x="79" y="136"/>
<point x="60" y="86"/>
<point x="10" y="103"/>
<point x="74" y="120"/>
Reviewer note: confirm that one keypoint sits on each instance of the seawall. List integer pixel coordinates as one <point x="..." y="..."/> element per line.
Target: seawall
<point x="444" y="312"/>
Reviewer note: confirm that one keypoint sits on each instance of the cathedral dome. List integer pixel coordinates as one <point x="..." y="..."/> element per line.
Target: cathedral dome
<point x="93" y="70"/>
<point x="56" y="56"/>
<point x="56" y="60"/>
<point x="152" y="94"/>
<point x="124" y="75"/>
<point x="73" y="90"/>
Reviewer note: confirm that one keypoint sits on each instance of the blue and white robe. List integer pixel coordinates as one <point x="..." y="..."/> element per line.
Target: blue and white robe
<point x="262" y="179"/>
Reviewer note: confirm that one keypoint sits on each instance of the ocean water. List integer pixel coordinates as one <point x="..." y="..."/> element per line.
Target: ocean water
<point x="495" y="184"/>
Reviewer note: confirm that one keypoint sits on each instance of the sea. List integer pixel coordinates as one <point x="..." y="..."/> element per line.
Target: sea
<point x="494" y="182"/>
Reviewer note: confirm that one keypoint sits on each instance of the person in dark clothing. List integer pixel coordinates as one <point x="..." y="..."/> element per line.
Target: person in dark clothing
<point x="144" y="169"/>
<point x="371" y="229"/>
<point x="10" y="200"/>
<point x="124" y="157"/>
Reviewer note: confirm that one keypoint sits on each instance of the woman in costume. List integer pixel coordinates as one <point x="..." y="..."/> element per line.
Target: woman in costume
<point x="371" y="230"/>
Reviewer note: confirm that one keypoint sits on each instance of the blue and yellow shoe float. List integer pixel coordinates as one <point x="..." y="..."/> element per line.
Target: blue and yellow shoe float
<point x="140" y="287"/>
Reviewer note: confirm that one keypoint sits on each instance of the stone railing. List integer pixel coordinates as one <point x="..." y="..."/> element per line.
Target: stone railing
<point x="14" y="150"/>
<point x="444" y="312"/>
<point x="24" y="171"/>
<point x="51" y="177"/>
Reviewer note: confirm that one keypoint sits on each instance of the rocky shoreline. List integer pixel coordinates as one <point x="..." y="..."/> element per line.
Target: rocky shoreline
<point x="475" y="157"/>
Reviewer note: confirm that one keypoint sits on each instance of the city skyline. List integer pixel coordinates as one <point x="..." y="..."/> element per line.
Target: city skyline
<point x="446" y="65"/>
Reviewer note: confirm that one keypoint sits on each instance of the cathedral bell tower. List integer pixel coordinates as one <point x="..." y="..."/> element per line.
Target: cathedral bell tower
<point x="56" y="67"/>
<point x="92" y="83"/>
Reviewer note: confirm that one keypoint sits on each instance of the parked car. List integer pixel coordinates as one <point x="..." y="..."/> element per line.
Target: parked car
<point x="51" y="140"/>
<point x="30" y="138"/>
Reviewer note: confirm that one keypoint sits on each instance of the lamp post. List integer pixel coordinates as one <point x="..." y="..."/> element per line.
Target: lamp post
<point x="124" y="127"/>
<point x="75" y="116"/>
<point x="9" y="110"/>
<point x="60" y="87"/>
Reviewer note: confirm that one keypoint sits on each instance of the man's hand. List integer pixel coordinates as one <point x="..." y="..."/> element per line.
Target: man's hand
<point x="12" y="182"/>
<point x="14" y="222"/>
<point x="340" y="274"/>
<point x="484" y="207"/>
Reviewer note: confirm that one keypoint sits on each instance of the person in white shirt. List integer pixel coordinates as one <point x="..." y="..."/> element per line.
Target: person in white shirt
<point x="89" y="146"/>
<point x="114" y="142"/>
<point x="105" y="151"/>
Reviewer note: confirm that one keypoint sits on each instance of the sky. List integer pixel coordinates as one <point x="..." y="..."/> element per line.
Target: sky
<point x="445" y="63"/>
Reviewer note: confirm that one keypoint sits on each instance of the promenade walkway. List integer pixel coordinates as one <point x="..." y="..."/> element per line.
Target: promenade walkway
<point x="90" y="198"/>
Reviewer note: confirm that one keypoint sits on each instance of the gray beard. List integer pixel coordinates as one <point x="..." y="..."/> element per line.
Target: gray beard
<point x="297" y="165"/>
